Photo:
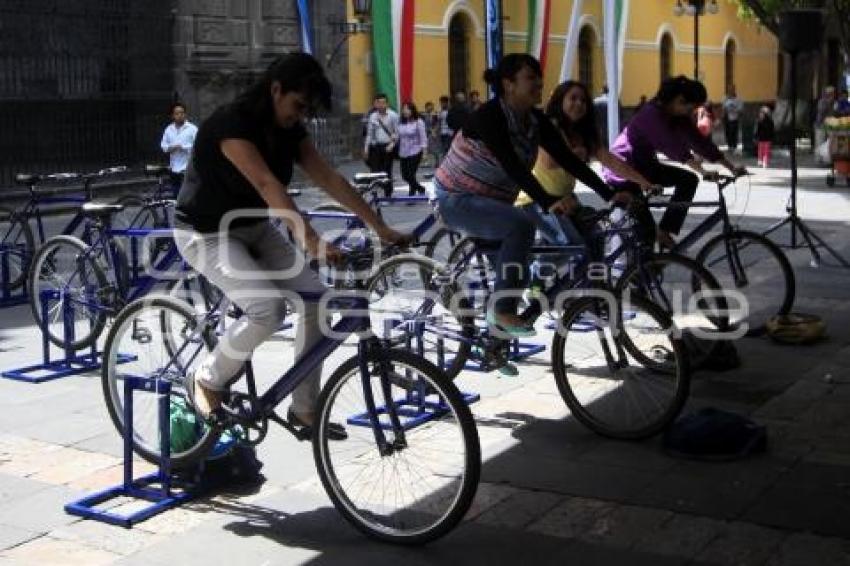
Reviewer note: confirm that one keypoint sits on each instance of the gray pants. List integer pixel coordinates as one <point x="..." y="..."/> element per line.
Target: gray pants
<point x="257" y="268"/>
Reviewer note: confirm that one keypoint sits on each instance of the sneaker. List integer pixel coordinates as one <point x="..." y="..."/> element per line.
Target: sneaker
<point x="519" y="330"/>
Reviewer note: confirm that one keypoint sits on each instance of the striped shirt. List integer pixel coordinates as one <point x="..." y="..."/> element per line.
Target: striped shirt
<point x="494" y="153"/>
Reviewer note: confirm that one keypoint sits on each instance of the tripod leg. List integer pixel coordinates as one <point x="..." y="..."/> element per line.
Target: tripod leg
<point x="797" y="223"/>
<point x="808" y="232"/>
<point x="776" y="226"/>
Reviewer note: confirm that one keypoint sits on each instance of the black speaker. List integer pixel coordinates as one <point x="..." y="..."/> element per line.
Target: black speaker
<point x="800" y="30"/>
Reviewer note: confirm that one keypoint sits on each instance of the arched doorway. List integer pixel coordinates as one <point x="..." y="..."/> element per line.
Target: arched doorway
<point x="730" y="64"/>
<point x="586" y="45"/>
<point x="666" y="56"/>
<point x="459" y="32"/>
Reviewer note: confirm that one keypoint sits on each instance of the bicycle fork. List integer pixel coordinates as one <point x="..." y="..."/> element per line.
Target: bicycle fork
<point x="399" y="442"/>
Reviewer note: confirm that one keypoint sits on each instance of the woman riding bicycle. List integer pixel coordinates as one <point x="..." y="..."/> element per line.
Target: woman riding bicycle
<point x="665" y="125"/>
<point x="489" y="159"/>
<point x="570" y="109"/>
<point x="235" y="184"/>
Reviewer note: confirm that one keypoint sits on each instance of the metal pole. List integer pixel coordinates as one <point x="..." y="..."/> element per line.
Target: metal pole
<point x="793" y="149"/>
<point x="696" y="40"/>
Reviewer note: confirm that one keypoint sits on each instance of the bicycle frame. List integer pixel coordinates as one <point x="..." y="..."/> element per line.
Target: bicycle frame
<point x="301" y="370"/>
<point x="721" y="215"/>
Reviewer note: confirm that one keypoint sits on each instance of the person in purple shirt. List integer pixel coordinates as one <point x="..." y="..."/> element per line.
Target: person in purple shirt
<point x="665" y="125"/>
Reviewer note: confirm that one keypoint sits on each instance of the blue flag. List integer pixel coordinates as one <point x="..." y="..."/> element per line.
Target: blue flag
<point x="306" y="26"/>
<point x="494" y="32"/>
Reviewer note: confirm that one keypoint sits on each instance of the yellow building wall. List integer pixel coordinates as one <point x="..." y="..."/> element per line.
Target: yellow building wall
<point x="755" y="61"/>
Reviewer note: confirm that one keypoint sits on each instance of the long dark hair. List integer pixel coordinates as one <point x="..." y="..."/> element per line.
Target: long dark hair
<point x="586" y="128"/>
<point x="508" y="67"/>
<point x="296" y="72"/>
<point x="692" y="91"/>
<point x="414" y="113"/>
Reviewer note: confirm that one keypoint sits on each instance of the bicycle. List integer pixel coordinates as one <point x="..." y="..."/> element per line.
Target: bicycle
<point x="151" y="208"/>
<point x="732" y="256"/>
<point x="409" y="431"/>
<point x="84" y="284"/>
<point x="440" y="312"/>
<point x="376" y="188"/>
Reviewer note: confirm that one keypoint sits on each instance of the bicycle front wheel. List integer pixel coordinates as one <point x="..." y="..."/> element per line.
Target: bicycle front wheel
<point x="412" y="303"/>
<point x="620" y="368"/>
<point x="16" y="249"/>
<point x="754" y="267"/>
<point x="157" y="340"/>
<point x="409" y="469"/>
<point x="69" y="293"/>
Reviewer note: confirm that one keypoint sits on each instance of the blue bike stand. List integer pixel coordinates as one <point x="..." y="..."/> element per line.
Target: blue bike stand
<point x="71" y="363"/>
<point x="161" y="498"/>
<point x="9" y="298"/>
<point x="413" y="410"/>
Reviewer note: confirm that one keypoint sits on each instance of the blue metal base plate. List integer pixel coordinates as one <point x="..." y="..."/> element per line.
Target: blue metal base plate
<point x="411" y="411"/>
<point x="49" y="371"/>
<point x="140" y="489"/>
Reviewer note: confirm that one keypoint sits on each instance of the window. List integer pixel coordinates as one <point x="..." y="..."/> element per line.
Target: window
<point x="730" y="64"/>
<point x="666" y="51"/>
<point x="586" y="43"/>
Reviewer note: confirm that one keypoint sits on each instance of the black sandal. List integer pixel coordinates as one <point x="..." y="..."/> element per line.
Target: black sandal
<point x="335" y="430"/>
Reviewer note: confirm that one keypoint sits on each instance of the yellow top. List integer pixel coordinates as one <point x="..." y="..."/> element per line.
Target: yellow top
<point x="556" y="182"/>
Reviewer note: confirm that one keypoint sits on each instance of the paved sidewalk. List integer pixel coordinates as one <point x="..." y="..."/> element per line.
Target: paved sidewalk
<point x="551" y="492"/>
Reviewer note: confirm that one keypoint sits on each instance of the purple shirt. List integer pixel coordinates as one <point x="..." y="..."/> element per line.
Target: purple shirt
<point x="412" y="138"/>
<point x="652" y="131"/>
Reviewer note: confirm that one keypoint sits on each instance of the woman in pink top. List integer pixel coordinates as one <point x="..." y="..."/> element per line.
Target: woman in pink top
<point x="413" y="141"/>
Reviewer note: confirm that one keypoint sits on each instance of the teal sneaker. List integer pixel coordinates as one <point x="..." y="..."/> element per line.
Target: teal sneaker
<point x="518" y="331"/>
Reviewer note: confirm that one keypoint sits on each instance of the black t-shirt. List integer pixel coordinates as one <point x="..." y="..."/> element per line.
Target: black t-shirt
<point x="214" y="186"/>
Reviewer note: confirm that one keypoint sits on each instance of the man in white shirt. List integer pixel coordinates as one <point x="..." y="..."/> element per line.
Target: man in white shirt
<point x="177" y="142"/>
<point x="732" y="108"/>
<point x="381" y="137"/>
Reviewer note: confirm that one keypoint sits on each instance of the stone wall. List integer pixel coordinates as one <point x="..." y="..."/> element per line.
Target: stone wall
<point x="222" y="46"/>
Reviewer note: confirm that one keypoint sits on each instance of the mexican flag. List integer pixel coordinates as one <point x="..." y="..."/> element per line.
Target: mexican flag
<point x="538" y="29"/>
<point x="392" y="41"/>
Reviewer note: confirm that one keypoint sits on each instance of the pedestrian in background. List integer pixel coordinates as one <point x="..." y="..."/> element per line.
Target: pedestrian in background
<point x="458" y="113"/>
<point x="732" y="108"/>
<point x="764" y="135"/>
<point x="381" y="137"/>
<point x="705" y="119"/>
<point x="443" y="124"/>
<point x="825" y="109"/>
<point x="412" y="143"/>
<point x="177" y="141"/>
<point x="474" y="100"/>
<point x="429" y="117"/>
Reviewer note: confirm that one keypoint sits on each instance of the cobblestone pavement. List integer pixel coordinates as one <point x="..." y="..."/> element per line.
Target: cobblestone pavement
<point x="551" y="492"/>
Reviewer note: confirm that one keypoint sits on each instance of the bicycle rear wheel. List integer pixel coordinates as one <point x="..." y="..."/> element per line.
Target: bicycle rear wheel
<point x="411" y="486"/>
<point x="157" y="339"/>
<point x="66" y="280"/>
<point x="411" y="305"/>
<point x="623" y="377"/>
<point x="752" y="265"/>
<point x="16" y="249"/>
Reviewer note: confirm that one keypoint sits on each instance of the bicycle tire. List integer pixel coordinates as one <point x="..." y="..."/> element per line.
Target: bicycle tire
<point x="430" y="338"/>
<point x="159" y="309"/>
<point x="404" y="532"/>
<point x="39" y="278"/>
<point x="766" y="293"/>
<point x="576" y="376"/>
<point x="17" y="243"/>
<point x="669" y="272"/>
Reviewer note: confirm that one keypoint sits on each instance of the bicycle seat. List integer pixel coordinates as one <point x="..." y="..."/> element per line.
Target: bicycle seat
<point x="100" y="209"/>
<point x="156" y="169"/>
<point x="369" y="177"/>
<point x="25" y="178"/>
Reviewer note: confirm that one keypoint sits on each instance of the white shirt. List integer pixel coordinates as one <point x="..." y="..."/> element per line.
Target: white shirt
<point x="376" y="133"/>
<point x="184" y="136"/>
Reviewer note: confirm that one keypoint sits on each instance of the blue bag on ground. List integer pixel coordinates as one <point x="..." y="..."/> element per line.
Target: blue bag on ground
<point x="715" y="435"/>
